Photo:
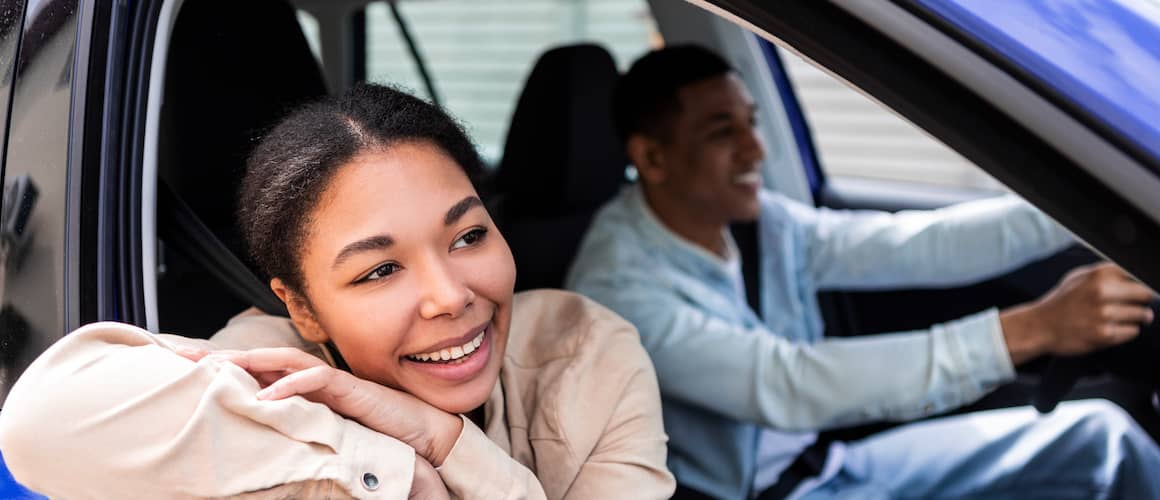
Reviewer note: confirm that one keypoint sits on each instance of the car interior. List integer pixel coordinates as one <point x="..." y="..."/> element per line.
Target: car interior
<point x="227" y="78"/>
<point x="201" y="86"/>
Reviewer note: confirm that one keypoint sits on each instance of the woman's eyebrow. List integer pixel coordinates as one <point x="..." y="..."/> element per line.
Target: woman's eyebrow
<point x="457" y="210"/>
<point x="383" y="241"/>
<point x="379" y="242"/>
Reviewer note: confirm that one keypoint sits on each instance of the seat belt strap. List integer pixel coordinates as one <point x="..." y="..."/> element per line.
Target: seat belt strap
<point x="178" y="225"/>
<point x="745" y="236"/>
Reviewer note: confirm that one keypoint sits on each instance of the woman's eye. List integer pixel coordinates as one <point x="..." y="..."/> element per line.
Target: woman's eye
<point x="381" y="272"/>
<point x="470" y="239"/>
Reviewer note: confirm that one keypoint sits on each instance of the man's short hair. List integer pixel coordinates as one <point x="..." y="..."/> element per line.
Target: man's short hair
<point x="645" y="98"/>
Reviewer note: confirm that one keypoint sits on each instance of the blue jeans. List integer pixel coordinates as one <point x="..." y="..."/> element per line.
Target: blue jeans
<point x="1086" y="449"/>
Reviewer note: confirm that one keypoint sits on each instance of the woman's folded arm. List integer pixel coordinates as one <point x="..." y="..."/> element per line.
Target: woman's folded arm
<point x="113" y="409"/>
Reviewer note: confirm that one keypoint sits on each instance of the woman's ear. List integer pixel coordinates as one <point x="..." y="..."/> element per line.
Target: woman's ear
<point x="300" y="313"/>
<point x="646" y="155"/>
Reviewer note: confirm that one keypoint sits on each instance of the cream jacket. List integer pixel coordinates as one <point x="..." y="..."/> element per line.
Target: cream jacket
<point x="110" y="411"/>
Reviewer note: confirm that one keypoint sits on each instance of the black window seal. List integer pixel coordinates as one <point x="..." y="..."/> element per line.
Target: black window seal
<point x="125" y="110"/>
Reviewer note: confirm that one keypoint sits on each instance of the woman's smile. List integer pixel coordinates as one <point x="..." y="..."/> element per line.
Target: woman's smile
<point x="456" y="360"/>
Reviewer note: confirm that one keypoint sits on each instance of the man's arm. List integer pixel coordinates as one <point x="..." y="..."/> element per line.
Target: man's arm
<point x="757" y="376"/>
<point x="112" y="409"/>
<point x="760" y="377"/>
<point x="1093" y="307"/>
<point x="956" y="245"/>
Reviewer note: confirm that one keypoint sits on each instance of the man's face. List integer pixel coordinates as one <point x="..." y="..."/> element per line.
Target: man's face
<point x="711" y="157"/>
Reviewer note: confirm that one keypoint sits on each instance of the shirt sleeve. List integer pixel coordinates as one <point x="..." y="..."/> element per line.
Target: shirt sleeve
<point x="956" y="245"/>
<point x="756" y="376"/>
<point x="112" y="409"/>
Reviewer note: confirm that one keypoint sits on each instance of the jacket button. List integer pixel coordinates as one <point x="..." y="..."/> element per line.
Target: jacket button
<point x="370" y="481"/>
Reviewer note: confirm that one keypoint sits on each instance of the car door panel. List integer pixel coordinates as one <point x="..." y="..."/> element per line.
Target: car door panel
<point x="39" y="304"/>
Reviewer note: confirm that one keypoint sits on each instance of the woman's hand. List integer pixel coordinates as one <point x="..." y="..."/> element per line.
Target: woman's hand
<point x="285" y="371"/>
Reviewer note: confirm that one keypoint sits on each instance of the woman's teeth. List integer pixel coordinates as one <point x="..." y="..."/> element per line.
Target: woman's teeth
<point x="454" y="354"/>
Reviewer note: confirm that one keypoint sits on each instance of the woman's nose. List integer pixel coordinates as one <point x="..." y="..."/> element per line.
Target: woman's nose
<point x="444" y="294"/>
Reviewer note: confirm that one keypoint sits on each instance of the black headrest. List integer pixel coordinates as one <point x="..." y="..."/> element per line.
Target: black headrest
<point x="234" y="69"/>
<point x="562" y="153"/>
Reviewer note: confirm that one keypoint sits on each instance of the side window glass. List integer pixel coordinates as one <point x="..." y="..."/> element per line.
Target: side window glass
<point x="478" y="52"/>
<point x="857" y="137"/>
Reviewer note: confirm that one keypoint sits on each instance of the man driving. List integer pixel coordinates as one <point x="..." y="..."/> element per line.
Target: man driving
<point x="746" y="390"/>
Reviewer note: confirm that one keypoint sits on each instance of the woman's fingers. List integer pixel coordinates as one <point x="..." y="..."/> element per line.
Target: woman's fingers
<point x="314" y="379"/>
<point x="340" y="391"/>
<point x="267" y="378"/>
<point x="272" y="359"/>
<point x="191" y="353"/>
<point x="266" y="365"/>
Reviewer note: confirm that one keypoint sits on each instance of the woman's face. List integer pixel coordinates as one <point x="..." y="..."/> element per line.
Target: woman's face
<point x="406" y="273"/>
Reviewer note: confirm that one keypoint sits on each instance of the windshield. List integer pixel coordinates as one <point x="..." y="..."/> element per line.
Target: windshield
<point x="1101" y="55"/>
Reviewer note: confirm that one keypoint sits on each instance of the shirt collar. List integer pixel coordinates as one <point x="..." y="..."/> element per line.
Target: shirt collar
<point x="677" y="245"/>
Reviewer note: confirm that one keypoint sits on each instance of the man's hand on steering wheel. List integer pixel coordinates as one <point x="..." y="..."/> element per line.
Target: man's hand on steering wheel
<point x="1093" y="307"/>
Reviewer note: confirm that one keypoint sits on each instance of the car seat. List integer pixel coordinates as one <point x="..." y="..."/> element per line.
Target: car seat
<point x="234" y="68"/>
<point x="561" y="161"/>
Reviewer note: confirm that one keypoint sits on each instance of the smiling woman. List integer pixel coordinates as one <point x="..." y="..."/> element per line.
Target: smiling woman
<point x="363" y="213"/>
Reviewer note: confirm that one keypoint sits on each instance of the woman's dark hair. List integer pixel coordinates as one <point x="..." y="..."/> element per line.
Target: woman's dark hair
<point x="294" y="162"/>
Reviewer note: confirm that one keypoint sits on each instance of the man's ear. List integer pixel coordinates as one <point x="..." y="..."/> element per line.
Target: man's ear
<point x="300" y="313"/>
<point x="646" y="155"/>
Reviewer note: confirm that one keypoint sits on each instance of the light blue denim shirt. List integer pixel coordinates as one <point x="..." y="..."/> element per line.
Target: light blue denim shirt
<point x="725" y="374"/>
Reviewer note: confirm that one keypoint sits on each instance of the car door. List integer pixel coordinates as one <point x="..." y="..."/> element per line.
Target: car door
<point x="35" y="79"/>
<point x="70" y="157"/>
<point x="67" y="165"/>
<point x="38" y="264"/>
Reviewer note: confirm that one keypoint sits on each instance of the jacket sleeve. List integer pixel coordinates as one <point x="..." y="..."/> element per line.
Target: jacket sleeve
<point x="956" y="245"/>
<point x="630" y="454"/>
<point x="111" y="411"/>
<point x="477" y="468"/>
<point x="756" y="376"/>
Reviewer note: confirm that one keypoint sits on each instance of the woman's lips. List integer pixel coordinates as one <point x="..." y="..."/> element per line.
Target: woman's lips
<point x="453" y="353"/>
<point x="460" y="363"/>
<point x="433" y="351"/>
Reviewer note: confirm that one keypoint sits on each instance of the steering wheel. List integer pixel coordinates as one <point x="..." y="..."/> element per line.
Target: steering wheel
<point x="1062" y="373"/>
